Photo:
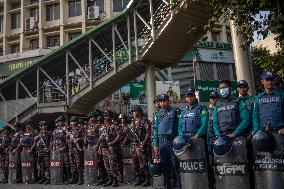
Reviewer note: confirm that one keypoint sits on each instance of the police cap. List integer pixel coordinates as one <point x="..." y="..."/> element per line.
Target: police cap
<point x="74" y="119"/>
<point x="92" y="114"/>
<point x="43" y="122"/>
<point x="107" y="113"/>
<point x="214" y="94"/>
<point x="28" y="121"/>
<point x="164" y="97"/>
<point x="267" y="75"/>
<point x="189" y="91"/>
<point x="242" y="83"/>
<point x="136" y="108"/>
<point x="17" y="125"/>
<point x="157" y="98"/>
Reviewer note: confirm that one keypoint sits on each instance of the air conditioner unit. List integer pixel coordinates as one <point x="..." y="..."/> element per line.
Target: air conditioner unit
<point x="93" y="12"/>
<point x="32" y="23"/>
<point x="27" y="24"/>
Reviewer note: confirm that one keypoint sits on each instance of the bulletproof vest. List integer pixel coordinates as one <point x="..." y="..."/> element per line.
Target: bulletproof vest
<point x="92" y="136"/>
<point x="166" y="120"/>
<point x="58" y="138"/>
<point x="249" y="105"/>
<point x="190" y="120"/>
<point x="210" y="124"/>
<point x="27" y="139"/>
<point x="271" y="110"/>
<point x="140" y="131"/>
<point x="15" y="139"/>
<point x="228" y="114"/>
<point x="5" y="141"/>
<point x="43" y="142"/>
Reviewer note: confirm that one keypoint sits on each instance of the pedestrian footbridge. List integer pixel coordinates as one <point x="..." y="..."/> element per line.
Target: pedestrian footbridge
<point x="147" y="33"/>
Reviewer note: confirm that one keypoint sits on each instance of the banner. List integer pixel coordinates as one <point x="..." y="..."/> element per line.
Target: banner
<point x="170" y="88"/>
<point x="206" y="86"/>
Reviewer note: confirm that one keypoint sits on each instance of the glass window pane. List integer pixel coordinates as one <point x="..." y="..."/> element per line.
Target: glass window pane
<point x="78" y="7"/>
<point x="100" y="3"/>
<point x="117" y="5"/>
<point x="56" y="11"/>
<point x="48" y="12"/>
<point x="15" y="20"/>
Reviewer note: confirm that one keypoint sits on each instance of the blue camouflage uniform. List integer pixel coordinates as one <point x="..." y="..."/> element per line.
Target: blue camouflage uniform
<point x="165" y="130"/>
<point x="269" y="108"/>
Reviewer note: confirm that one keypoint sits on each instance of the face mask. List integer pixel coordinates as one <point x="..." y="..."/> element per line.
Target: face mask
<point x="224" y="92"/>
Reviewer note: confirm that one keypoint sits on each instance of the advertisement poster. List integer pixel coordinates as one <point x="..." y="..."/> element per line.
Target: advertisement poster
<point x="170" y="88"/>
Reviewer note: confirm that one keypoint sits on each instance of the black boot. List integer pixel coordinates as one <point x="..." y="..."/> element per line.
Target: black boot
<point x="147" y="181"/>
<point x="138" y="179"/>
<point x="47" y="182"/>
<point x="72" y="180"/>
<point x="80" y="181"/>
<point x="110" y="181"/>
<point x="115" y="182"/>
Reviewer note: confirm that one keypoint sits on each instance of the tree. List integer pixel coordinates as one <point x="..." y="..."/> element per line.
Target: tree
<point x="262" y="60"/>
<point x="244" y="13"/>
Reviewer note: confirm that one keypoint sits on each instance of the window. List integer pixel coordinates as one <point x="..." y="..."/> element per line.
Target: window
<point x="100" y="3"/>
<point x="16" y="6"/>
<point x="15" y="20"/>
<point x="1" y="24"/>
<point x="119" y="5"/>
<point x="1" y="9"/>
<point x="73" y="35"/>
<point x="74" y="8"/>
<point x="15" y="48"/>
<point x="215" y="36"/>
<point x="33" y="44"/>
<point x="53" y="41"/>
<point x="229" y="37"/>
<point x="1" y="51"/>
<point x="52" y="12"/>
<point x="34" y="13"/>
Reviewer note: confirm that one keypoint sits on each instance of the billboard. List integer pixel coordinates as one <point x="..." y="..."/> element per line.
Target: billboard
<point x="169" y="87"/>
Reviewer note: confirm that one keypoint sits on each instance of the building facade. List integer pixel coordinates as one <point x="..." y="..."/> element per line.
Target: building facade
<point x="28" y="26"/>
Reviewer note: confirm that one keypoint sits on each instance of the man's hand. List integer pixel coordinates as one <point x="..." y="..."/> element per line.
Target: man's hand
<point x="195" y="137"/>
<point x="281" y="131"/>
<point x="231" y="135"/>
<point x="156" y="150"/>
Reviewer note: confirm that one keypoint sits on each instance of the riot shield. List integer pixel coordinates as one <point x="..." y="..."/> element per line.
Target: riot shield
<point x="193" y="171"/>
<point x="231" y="171"/>
<point x="269" y="167"/>
<point x="128" y="170"/>
<point x="28" y="174"/>
<point x="2" y="177"/>
<point x="13" y="167"/>
<point x="56" y="168"/>
<point x="90" y="166"/>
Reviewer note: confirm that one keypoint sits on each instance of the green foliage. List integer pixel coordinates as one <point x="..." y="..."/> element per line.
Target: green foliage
<point x="244" y="12"/>
<point x="263" y="60"/>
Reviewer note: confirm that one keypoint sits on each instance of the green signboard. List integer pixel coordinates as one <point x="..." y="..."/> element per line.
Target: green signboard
<point x="214" y="45"/>
<point x="7" y="68"/>
<point x="137" y="89"/>
<point x="206" y="86"/>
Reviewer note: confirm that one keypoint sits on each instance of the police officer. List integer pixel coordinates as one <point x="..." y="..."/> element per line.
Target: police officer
<point x="27" y="147"/>
<point x="76" y="153"/>
<point x="42" y="142"/>
<point x="15" y="141"/>
<point x="165" y="130"/>
<point x="5" y="141"/>
<point x="269" y="106"/>
<point x="109" y="144"/>
<point x="59" y="145"/>
<point x="139" y="136"/>
<point x="213" y="99"/>
<point x="230" y="117"/>
<point x="194" y="117"/>
<point x="268" y="129"/>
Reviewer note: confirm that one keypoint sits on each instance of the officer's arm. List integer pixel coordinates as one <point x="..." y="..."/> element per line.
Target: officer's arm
<point x="155" y="142"/>
<point x="204" y="116"/>
<point x="215" y="121"/>
<point x="147" y="137"/>
<point x="180" y="132"/>
<point x="255" y="115"/>
<point x="244" y="114"/>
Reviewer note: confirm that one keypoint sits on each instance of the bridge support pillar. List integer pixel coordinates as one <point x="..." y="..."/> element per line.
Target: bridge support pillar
<point x="150" y="89"/>
<point x="242" y="58"/>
